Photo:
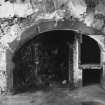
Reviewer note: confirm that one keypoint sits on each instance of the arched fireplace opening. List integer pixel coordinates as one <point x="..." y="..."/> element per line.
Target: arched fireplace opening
<point x="44" y="61"/>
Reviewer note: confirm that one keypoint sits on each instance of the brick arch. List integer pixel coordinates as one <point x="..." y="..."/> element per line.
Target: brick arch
<point x="46" y="26"/>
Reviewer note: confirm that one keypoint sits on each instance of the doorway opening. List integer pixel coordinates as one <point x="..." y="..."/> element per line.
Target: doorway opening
<point x="44" y="61"/>
<point x="91" y="76"/>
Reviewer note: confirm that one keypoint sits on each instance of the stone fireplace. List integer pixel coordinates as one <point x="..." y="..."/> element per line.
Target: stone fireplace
<point x="87" y="25"/>
<point x="76" y="79"/>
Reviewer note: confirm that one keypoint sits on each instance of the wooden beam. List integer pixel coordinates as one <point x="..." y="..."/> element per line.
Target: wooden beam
<point x="90" y="66"/>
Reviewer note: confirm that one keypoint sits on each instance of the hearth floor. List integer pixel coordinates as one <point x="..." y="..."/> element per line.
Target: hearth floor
<point x="89" y="95"/>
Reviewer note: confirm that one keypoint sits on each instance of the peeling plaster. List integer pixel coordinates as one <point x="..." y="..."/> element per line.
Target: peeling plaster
<point x="14" y="34"/>
<point x="8" y="10"/>
<point x="89" y="19"/>
<point x="77" y="8"/>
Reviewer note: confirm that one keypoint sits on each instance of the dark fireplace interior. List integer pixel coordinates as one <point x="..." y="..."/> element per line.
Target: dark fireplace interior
<point x="92" y="76"/>
<point x="43" y="61"/>
<point x="90" y="51"/>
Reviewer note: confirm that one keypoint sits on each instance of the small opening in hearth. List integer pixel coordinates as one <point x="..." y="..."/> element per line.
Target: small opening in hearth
<point x="43" y="61"/>
<point x="91" y="76"/>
